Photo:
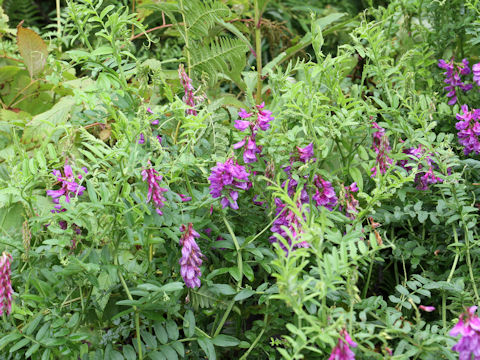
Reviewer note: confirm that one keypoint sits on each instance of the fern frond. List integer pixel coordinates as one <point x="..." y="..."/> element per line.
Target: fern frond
<point x="224" y="55"/>
<point x="201" y="17"/>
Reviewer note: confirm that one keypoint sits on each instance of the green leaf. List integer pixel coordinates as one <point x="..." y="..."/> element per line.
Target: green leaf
<point x="174" y="286"/>
<point x="244" y="294"/>
<point x="169" y="352"/>
<point x="172" y="330"/>
<point x="129" y="352"/>
<point x="161" y="333"/>
<point x="157" y="355"/>
<point x="225" y="340"/>
<point x="207" y="346"/>
<point x="149" y="340"/>
<point x="4" y="341"/>
<point x="189" y="323"/>
<point x="19" y="345"/>
<point x="32" y="350"/>
<point x="357" y="177"/>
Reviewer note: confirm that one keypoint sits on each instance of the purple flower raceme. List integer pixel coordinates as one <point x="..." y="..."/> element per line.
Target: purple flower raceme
<point x="453" y="79"/>
<point x="190" y="261"/>
<point x="476" y="73"/>
<point x="189" y="97"/>
<point x="469" y="130"/>
<point x="5" y="284"/>
<point x="153" y="179"/>
<point x="423" y="178"/>
<point x="225" y="181"/>
<point x="185" y="198"/>
<point x="141" y="139"/>
<point x="469" y="327"/>
<point x="350" y="203"/>
<point x="324" y="193"/>
<point x="342" y="350"/>
<point x="381" y="146"/>
<point x="287" y="225"/>
<point x="306" y="153"/>
<point x="261" y="122"/>
<point x="69" y="187"/>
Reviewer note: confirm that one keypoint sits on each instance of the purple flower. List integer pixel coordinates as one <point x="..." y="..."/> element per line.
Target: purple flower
<point x="469" y="130"/>
<point x="476" y="73"/>
<point x="381" y="146"/>
<point x="225" y="179"/>
<point x="189" y="97"/>
<point x="423" y="178"/>
<point x="349" y="202"/>
<point x="262" y="122"/>
<point x="324" y="193"/>
<point x="287" y="225"/>
<point x="185" y="198"/>
<point x="468" y="327"/>
<point x="427" y="308"/>
<point x="453" y="78"/>
<point x="190" y="261"/>
<point x="159" y="138"/>
<point x="69" y="187"/>
<point x="154" y="190"/>
<point x="5" y="284"/>
<point x="141" y="139"/>
<point x="149" y="111"/>
<point x="155" y="122"/>
<point x="342" y="351"/>
<point x="305" y="153"/>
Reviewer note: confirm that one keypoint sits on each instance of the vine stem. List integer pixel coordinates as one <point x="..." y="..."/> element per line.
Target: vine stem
<point x="186" y="37"/>
<point x="450" y="276"/>
<point x="137" y="314"/>
<point x="258" y="51"/>
<point x="239" y="283"/>
<point x="257" y="339"/>
<point x="469" y="264"/>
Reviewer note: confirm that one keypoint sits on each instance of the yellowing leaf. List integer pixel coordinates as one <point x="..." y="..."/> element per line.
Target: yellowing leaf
<point x="33" y="50"/>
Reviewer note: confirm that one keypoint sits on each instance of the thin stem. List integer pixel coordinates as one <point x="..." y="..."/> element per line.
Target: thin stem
<point x="469" y="264"/>
<point x="450" y="276"/>
<point x="257" y="339"/>
<point x="186" y="37"/>
<point x="59" y="26"/>
<point x="258" y="50"/>
<point x="239" y="253"/>
<point x="137" y="314"/>
<point x="224" y="318"/>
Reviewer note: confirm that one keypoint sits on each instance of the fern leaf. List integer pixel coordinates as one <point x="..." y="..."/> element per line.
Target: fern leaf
<point x="201" y="17"/>
<point x="224" y="55"/>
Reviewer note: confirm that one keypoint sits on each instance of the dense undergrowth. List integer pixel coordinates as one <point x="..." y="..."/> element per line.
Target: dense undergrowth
<point x="239" y="179"/>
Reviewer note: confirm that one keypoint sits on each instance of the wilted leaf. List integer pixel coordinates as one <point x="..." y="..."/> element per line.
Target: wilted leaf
<point x="33" y="50"/>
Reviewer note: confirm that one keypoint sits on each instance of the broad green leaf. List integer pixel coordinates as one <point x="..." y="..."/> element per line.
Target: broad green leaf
<point x="33" y="49"/>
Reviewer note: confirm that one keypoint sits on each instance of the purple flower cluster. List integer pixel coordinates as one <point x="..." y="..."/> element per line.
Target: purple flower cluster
<point x="350" y="202"/>
<point x="287" y="225"/>
<point x="469" y="327"/>
<point x="469" y="130"/>
<point x="69" y="187"/>
<point x="306" y="153"/>
<point x="423" y="178"/>
<point x="225" y="179"/>
<point x="381" y="146"/>
<point x="152" y="178"/>
<point x="324" y="193"/>
<point x="476" y="73"/>
<point x="262" y="122"/>
<point x="189" y="97"/>
<point x="5" y="284"/>
<point x="342" y="350"/>
<point x="141" y="139"/>
<point x="190" y="261"/>
<point x="453" y="79"/>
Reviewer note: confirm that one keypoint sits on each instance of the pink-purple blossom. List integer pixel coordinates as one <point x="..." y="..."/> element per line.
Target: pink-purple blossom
<point x="190" y="261"/>
<point x="185" y="198"/>
<point x="261" y="122"/>
<point x="324" y="193"/>
<point x="476" y="73"/>
<point x="381" y="146"/>
<point x="468" y="326"/>
<point x="350" y="203"/>
<point x="189" y="97"/>
<point x="287" y="225"/>
<point x="423" y="178"/>
<point x="469" y="130"/>
<point x="225" y="181"/>
<point x="5" y="284"/>
<point x="427" y="308"/>
<point x="69" y="186"/>
<point x="342" y="350"/>
<point x="305" y="153"/>
<point x="453" y="79"/>
<point x="151" y="176"/>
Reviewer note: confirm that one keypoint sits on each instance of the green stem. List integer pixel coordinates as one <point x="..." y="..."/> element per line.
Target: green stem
<point x="224" y="318"/>
<point x="469" y="264"/>
<point x="258" y="50"/>
<point x="186" y="37"/>
<point x="365" y="288"/>
<point x="450" y="276"/>
<point x="137" y="314"/>
<point x="59" y="26"/>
